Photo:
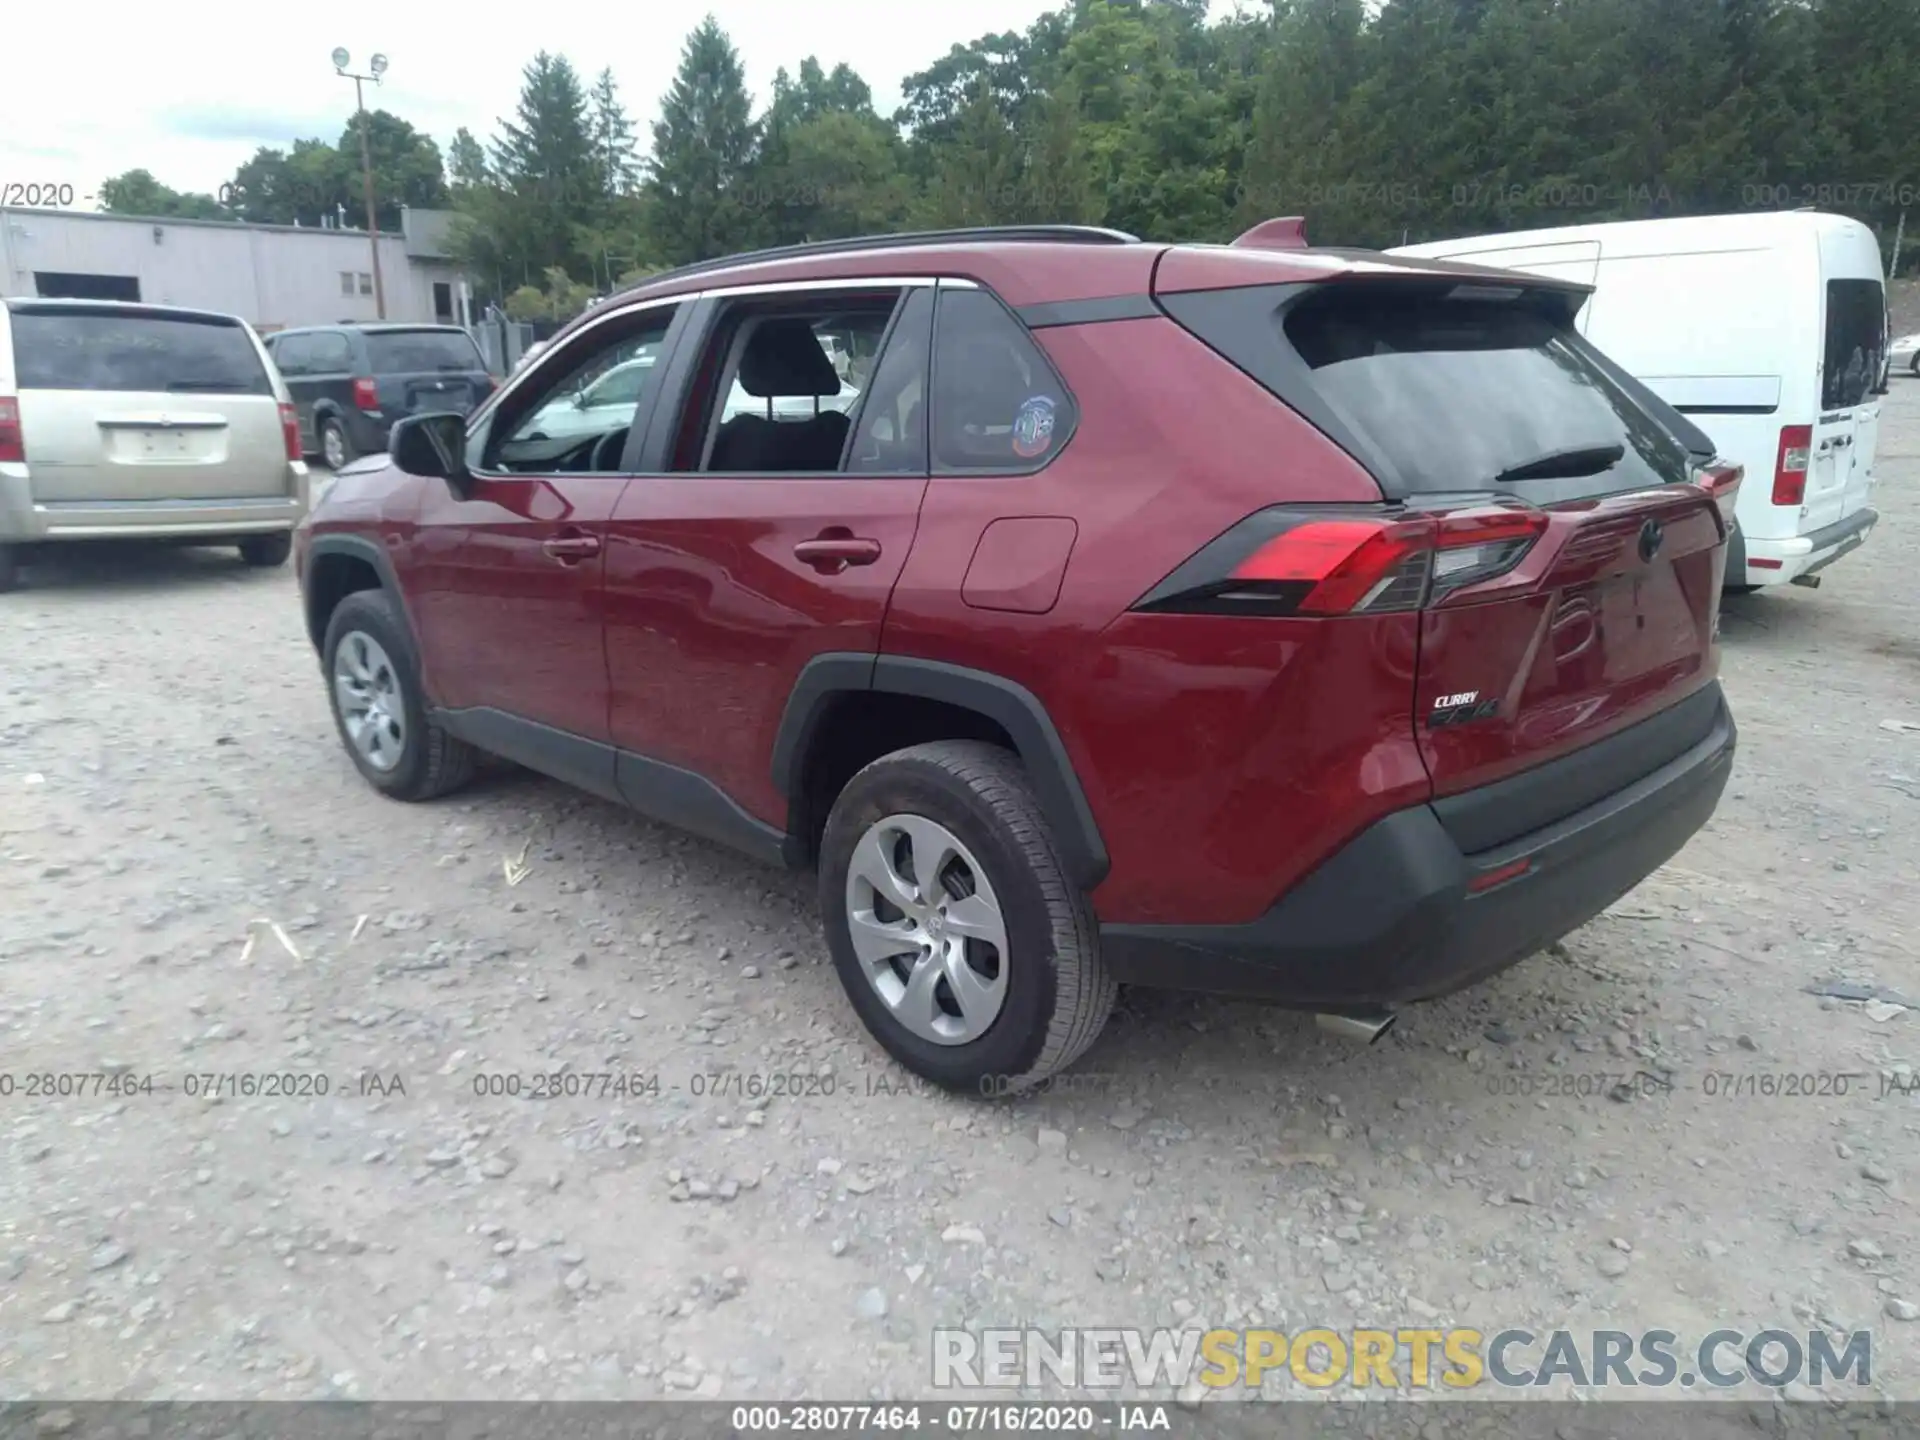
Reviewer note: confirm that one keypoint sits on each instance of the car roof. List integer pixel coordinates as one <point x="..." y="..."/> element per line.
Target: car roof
<point x="27" y="304"/>
<point x="370" y="328"/>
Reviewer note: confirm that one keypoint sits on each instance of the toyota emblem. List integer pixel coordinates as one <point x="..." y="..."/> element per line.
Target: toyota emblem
<point x="1652" y="533"/>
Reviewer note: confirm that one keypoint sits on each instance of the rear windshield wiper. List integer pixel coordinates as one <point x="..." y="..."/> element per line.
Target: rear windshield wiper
<point x="235" y="387"/>
<point x="1566" y="464"/>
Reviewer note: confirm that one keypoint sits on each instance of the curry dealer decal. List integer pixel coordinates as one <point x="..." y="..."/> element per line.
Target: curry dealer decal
<point x="1033" y="427"/>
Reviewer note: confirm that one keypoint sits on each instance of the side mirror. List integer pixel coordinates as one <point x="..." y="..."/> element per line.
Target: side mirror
<point x="434" y="446"/>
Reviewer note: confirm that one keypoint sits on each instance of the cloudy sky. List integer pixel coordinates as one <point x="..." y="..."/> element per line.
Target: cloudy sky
<point x="190" y="89"/>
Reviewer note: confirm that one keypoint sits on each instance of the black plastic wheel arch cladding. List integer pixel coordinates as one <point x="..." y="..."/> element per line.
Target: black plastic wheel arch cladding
<point x="1012" y="707"/>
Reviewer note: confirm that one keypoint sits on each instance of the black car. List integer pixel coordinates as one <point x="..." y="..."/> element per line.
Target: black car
<point x="351" y="382"/>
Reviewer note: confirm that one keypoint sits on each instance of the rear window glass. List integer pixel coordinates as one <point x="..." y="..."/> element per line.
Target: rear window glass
<point x="61" y="349"/>
<point x="401" y="352"/>
<point x="1458" y="393"/>
<point x="1856" y="343"/>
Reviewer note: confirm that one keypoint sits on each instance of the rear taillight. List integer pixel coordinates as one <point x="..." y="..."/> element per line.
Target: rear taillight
<point x="290" y="431"/>
<point x="1304" y="562"/>
<point x="1790" y="469"/>
<point x="13" y="444"/>
<point x="1722" y="482"/>
<point x="366" y="394"/>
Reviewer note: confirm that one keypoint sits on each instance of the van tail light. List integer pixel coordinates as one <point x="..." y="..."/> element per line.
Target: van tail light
<point x="1790" y="469"/>
<point x="13" y="442"/>
<point x="366" y="394"/>
<point x="290" y="431"/>
<point x="1301" y="561"/>
<point x="1721" y="481"/>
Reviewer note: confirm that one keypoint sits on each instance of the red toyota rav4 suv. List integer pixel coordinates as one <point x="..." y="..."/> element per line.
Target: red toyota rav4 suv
<point x="1276" y="622"/>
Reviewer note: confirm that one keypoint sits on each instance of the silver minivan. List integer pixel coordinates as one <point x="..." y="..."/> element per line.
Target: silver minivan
<point x="133" y="421"/>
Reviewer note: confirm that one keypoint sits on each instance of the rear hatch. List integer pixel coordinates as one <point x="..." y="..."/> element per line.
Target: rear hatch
<point x="122" y="403"/>
<point x="427" y="370"/>
<point x="1846" y="432"/>
<point x="1556" y="525"/>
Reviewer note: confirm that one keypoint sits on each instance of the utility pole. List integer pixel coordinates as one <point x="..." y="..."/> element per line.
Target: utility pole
<point x="376" y="67"/>
<point x="1899" y="234"/>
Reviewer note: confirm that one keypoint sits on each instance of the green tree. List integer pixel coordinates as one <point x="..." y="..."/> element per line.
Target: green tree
<point x="611" y="132"/>
<point x="976" y="177"/>
<point x="542" y="186"/>
<point x="467" y="161"/>
<point x="703" y="151"/>
<point x="407" y="169"/>
<point x="136" y="192"/>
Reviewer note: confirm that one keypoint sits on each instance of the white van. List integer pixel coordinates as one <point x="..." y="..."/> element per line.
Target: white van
<point x="1769" y="331"/>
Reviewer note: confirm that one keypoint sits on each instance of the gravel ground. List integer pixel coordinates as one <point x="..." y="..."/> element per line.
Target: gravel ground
<point x="169" y="776"/>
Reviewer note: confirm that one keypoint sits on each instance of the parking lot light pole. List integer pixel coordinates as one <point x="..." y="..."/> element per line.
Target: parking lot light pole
<point x="376" y="67"/>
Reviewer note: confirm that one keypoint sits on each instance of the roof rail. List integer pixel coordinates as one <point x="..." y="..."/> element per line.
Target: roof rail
<point x="1045" y="234"/>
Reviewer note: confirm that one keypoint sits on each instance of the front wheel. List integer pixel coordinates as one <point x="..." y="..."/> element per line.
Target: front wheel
<point x="9" y="567"/>
<point x="379" y="707"/>
<point x="957" y="934"/>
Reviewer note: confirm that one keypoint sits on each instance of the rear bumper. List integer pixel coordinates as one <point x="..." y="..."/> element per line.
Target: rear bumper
<point x="23" y="520"/>
<point x="1391" y="918"/>
<point x="368" y="432"/>
<point x="1803" y="554"/>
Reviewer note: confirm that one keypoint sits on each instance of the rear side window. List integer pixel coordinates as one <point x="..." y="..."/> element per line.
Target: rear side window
<point x="1446" y="388"/>
<point x="85" y="349"/>
<point x="329" y="353"/>
<point x="998" y="405"/>
<point x="293" y="354"/>
<point x="1856" y="349"/>
<point x="406" y="352"/>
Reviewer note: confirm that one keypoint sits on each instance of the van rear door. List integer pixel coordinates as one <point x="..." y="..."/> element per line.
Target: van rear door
<point x="1845" y="435"/>
<point x="124" y="403"/>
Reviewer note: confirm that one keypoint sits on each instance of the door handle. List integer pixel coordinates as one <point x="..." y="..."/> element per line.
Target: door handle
<point x="569" y="548"/>
<point x="834" y="550"/>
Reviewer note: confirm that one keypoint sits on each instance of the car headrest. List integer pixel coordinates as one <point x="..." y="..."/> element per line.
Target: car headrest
<point x="784" y="358"/>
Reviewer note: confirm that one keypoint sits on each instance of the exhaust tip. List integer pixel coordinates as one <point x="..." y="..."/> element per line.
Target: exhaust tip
<point x="1812" y="582"/>
<point x="1362" y="1029"/>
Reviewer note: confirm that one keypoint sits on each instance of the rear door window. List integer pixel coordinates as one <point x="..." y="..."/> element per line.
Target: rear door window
<point x="1856" y="349"/>
<point x="890" y="433"/>
<point x="413" y="352"/>
<point x="293" y="354"/>
<point x="998" y="405"/>
<point x="82" y="348"/>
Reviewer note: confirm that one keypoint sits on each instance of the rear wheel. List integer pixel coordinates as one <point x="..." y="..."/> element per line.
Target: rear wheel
<point x="9" y="567"/>
<point x="1915" y="366"/>
<point x="336" y="448"/>
<point x="379" y="708"/>
<point x="960" y="940"/>
<point x="266" y="551"/>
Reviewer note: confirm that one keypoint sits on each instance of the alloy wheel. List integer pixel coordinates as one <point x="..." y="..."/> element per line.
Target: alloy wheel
<point x="366" y="689"/>
<point x="927" y="928"/>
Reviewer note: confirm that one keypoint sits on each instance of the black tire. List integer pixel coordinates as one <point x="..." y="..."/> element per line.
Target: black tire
<point x="1059" y="993"/>
<point x="266" y="551"/>
<point x="432" y="763"/>
<point x="1741" y="589"/>
<point x="347" y="453"/>
<point x="1915" y="366"/>
<point x="9" y="567"/>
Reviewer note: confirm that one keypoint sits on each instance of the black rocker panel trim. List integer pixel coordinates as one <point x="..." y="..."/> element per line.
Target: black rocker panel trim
<point x="656" y="789"/>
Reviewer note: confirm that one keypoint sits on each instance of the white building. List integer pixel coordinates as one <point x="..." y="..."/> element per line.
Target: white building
<point x="272" y="276"/>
